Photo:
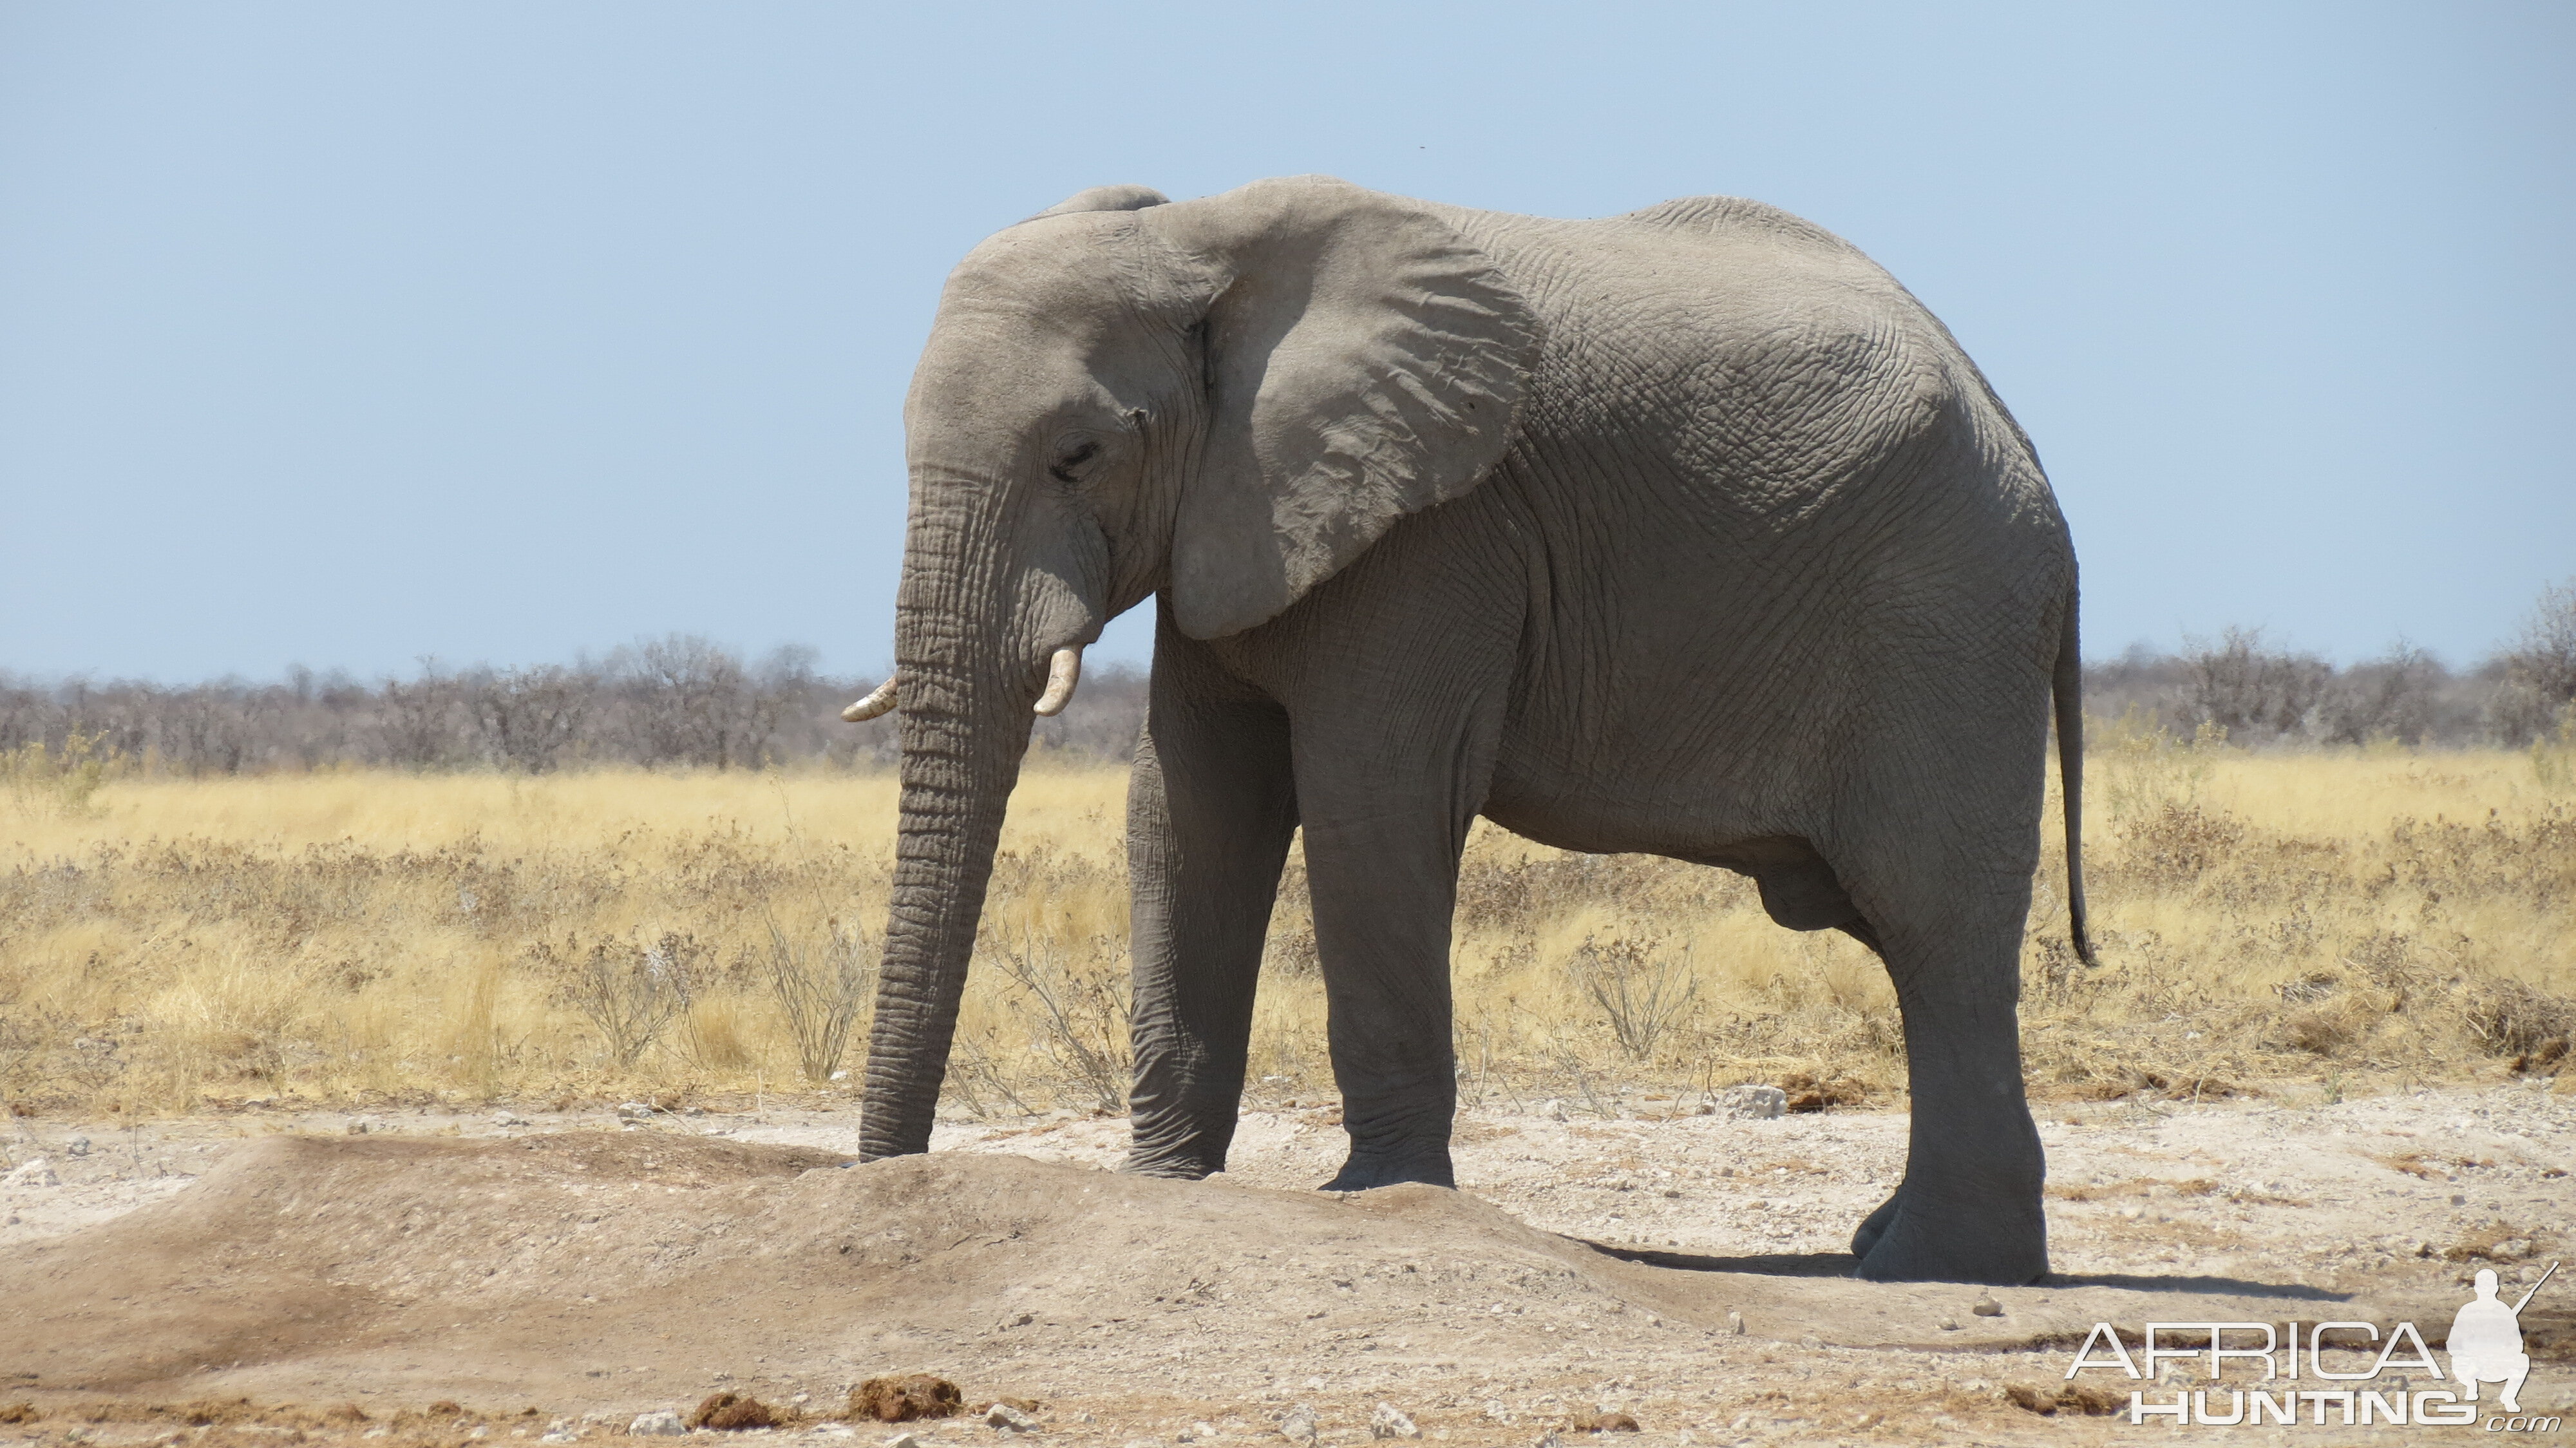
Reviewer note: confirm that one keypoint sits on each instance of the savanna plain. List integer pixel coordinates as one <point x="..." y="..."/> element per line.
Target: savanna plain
<point x="439" y="1106"/>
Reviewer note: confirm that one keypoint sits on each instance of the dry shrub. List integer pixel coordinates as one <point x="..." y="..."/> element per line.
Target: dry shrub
<point x="823" y="981"/>
<point x="2499" y="1242"/>
<point x="628" y="992"/>
<point x="2319" y="1033"/>
<point x="2509" y="1018"/>
<point x="2176" y="845"/>
<point x="2330" y="917"/>
<point x="2049" y="1399"/>
<point x="734" y="1413"/>
<point x="1642" y="992"/>
<point x="905" y="1398"/>
<point x="1808" y="1091"/>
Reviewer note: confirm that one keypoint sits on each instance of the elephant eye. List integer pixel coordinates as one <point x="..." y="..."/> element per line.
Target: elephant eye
<point x="1063" y="472"/>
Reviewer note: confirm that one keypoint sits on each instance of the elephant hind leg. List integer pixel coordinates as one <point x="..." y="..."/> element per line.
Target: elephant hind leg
<point x="1947" y="906"/>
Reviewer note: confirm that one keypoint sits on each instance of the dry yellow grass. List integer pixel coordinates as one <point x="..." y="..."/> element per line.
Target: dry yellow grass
<point x="2343" y="920"/>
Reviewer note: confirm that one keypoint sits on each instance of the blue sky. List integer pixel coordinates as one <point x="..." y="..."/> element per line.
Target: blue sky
<point x="352" y="334"/>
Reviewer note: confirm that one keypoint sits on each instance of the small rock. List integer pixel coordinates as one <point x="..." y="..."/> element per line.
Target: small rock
<point x="508" y="1118"/>
<point x="903" y="1440"/>
<point x="561" y="1435"/>
<point x="1549" y="1439"/>
<point x="634" y="1111"/>
<point x="1009" y="1419"/>
<point x="1299" y="1425"/>
<point x="1735" y="1324"/>
<point x="1387" y="1422"/>
<point x="1202" y="1432"/>
<point x="77" y="1146"/>
<point x="1553" y="1110"/>
<point x="1949" y="1324"/>
<point x="37" y="1173"/>
<point x="358" y="1126"/>
<point x="1752" y="1103"/>
<point x="664" y="1424"/>
<point x="1986" y="1306"/>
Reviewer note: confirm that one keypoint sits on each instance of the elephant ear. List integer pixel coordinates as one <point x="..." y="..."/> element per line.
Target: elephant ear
<point x="1364" y="360"/>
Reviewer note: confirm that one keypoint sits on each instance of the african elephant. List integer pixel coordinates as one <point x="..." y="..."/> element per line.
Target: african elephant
<point x="1687" y="532"/>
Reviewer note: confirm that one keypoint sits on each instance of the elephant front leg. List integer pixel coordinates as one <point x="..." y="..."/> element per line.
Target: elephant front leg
<point x="1211" y="805"/>
<point x="1382" y="868"/>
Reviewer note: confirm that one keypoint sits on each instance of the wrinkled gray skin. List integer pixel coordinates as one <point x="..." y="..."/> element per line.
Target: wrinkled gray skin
<point x="1687" y="532"/>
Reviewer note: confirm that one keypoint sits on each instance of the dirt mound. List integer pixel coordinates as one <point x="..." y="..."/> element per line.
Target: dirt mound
<point x="605" y="1268"/>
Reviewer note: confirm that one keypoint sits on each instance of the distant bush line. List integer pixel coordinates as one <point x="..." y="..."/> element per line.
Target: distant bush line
<point x="678" y="702"/>
<point x="684" y="702"/>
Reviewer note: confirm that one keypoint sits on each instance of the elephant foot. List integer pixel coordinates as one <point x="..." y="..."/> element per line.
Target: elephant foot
<point x="1179" y="1169"/>
<point x="1874" y="1226"/>
<point x="1364" y="1171"/>
<point x="1920" y="1241"/>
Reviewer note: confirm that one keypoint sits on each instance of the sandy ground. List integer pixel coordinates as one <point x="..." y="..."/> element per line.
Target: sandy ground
<point x="544" y="1269"/>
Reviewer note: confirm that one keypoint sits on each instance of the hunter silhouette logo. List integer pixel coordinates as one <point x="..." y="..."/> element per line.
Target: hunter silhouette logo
<point x="2486" y="1341"/>
<point x="2484" y="1346"/>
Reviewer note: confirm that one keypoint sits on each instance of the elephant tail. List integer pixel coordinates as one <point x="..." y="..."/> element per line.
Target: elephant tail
<point x="2066" y="686"/>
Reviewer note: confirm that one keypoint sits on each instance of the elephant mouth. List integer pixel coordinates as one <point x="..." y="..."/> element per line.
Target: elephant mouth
<point x="1064" y="675"/>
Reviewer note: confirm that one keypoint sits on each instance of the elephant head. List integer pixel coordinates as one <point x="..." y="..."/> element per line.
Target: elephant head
<point x="1223" y="401"/>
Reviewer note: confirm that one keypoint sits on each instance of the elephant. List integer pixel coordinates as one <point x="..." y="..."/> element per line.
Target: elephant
<point x="1687" y="531"/>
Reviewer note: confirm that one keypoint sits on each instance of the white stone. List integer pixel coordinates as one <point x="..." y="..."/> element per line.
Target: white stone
<point x="1388" y="1422"/>
<point x="1752" y="1103"/>
<point x="1299" y="1425"/>
<point x="665" y="1424"/>
<point x="77" y="1146"/>
<point x="1009" y="1419"/>
<point x="37" y="1173"/>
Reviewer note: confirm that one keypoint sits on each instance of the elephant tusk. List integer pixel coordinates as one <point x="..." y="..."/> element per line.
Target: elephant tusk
<point x="1064" y="671"/>
<point x="874" y="704"/>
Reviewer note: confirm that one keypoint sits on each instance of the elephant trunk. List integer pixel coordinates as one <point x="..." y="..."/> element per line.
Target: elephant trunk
<point x="963" y="739"/>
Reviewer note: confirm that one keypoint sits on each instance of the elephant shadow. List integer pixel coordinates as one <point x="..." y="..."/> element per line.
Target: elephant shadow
<point x="1844" y="1264"/>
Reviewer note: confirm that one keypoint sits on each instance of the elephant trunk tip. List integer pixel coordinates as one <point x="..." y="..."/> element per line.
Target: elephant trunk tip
<point x="1064" y="672"/>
